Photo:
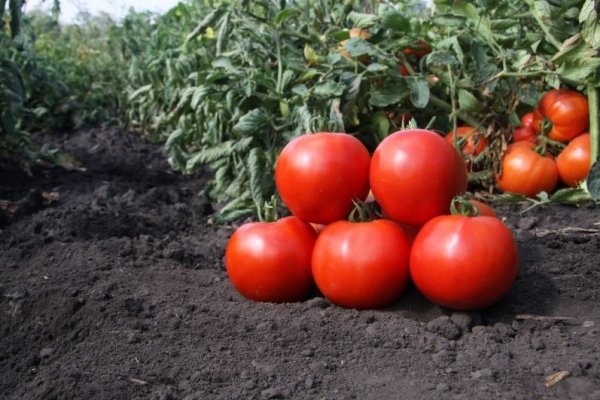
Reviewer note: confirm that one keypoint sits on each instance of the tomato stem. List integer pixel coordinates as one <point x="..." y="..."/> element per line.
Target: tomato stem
<point x="362" y="212"/>
<point x="460" y="205"/>
<point x="594" y="123"/>
<point x="269" y="212"/>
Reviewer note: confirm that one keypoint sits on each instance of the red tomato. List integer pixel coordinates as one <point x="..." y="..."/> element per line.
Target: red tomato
<point x="271" y="261"/>
<point x="526" y="172"/>
<point x="361" y="264"/>
<point x="573" y="162"/>
<point x="420" y="48"/>
<point x="527" y="120"/>
<point x="468" y="141"/>
<point x="566" y="110"/>
<point x="319" y="175"/>
<point x="524" y="134"/>
<point x="462" y="262"/>
<point x="485" y="210"/>
<point x="403" y="70"/>
<point x="415" y="174"/>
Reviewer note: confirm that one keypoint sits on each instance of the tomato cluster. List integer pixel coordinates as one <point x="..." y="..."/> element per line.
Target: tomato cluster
<point x="465" y="260"/>
<point x="551" y="146"/>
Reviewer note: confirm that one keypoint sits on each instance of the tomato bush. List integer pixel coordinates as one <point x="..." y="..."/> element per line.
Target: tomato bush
<point x="414" y="174"/>
<point x="524" y="171"/>
<point x="271" y="261"/>
<point x="361" y="264"/>
<point x="566" y="111"/>
<point x="573" y="162"/>
<point x="319" y="175"/>
<point x="464" y="262"/>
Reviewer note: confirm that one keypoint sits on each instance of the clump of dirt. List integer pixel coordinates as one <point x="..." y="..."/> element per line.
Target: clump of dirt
<point x="113" y="287"/>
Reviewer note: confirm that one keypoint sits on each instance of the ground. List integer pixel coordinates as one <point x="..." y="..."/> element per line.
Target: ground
<point x="112" y="286"/>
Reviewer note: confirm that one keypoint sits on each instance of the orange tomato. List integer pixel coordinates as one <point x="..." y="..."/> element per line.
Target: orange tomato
<point x="573" y="162"/>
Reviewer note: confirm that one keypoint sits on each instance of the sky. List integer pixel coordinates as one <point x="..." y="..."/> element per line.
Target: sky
<point x="116" y="8"/>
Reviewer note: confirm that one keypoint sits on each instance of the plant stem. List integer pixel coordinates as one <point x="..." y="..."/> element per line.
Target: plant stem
<point x="536" y="15"/>
<point x="436" y="101"/>
<point x="594" y="122"/>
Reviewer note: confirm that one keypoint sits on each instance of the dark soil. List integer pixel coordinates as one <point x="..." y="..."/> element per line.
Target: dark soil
<point x="112" y="286"/>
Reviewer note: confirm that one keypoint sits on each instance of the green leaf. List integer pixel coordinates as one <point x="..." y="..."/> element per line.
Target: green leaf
<point x="388" y="95"/>
<point x="357" y="47"/>
<point x="593" y="181"/>
<point x="250" y="122"/>
<point x="441" y="59"/>
<point x="468" y="102"/>
<point x="327" y="90"/>
<point x="285" y="14"/>
<point x="362" y="20"/>
<point x="376" y="67"/>
<point x="419" y="92"/>
<point x="138" y="92"/>
<point x="395" y="21"/>
<point x="570" y="196"/>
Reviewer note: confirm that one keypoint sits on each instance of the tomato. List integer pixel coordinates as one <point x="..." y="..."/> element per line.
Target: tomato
<point x="526" y="172"/>
<point x="419" y="49"/>
<point x="361" y="264"/>
<point x="271" y="261"/>
<point x="319" y="175"/>
<point x="414" y="175"/>
<point x="524" y="134"/>
<point x="462" y="262"/>
<point x="469" y="141"/>
<point x="527" y="120"/>
<point x="402" y="69"/>
<point x="566" y="111"/>
<point x="483" y="208"/>
<point x="573" y="162"/>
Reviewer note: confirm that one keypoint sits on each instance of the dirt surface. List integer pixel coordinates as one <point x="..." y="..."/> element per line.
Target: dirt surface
<point x="112" y="286"/>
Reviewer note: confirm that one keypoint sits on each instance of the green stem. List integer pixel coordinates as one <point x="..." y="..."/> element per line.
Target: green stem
<point x="436" y="101"/>
<point x="594" y="123"/>
<point x="536" y="15"/>
<point x="279" y="64"/>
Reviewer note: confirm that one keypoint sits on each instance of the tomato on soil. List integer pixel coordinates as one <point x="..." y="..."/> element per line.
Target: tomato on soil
<point x="414" y="175"/>
<point x="463" y="262"/>
<point x="319" y="175"/>
<point x="271" y="261"/>
<point x="361" y="264"/>
<point x="566" y="111"/>
<point x="526" y="172"/>
<point x="573" y="162"/>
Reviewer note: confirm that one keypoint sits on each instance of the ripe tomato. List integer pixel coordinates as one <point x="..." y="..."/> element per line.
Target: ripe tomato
<point x="469" y="141"/>
<point x="485" y="210"/>
<point x="361" y="264"/>
<point x="573" y="162"/>
<point x="271" y="261"/>
<point x="319" y="175"/>
<point x="419" y="49"/>
<point x="524" y="134"/>
<point x="527" y="120"/>
<point x="526" y="172"/>
<point x="414" y="175"/>
<point x="464" y="262"/>
<point x="566" y="110"/>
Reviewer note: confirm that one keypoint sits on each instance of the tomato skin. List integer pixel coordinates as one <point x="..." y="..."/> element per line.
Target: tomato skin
<point x="485" y="210"/>
<point x="526" y="172"/>
<point x="319" y="175"/>
<point x="527" y="120"/>
<point x="566" y="110"/>
<point x="473" y="142"/>
<point x="464" y="263"/>
<point x="524" y="134"/>
<point x="419" y="49"/>
<point x="270" y="262"/>
<point x="361" y="264"/>
<point x="573" y="162"/>
<point x="415" y="174"/>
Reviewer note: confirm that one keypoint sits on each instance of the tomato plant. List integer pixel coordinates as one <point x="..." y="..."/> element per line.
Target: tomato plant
<point x="469" y="141"/>
<point x="573" y="162"/>
<point x="414" y="175"/>
<point x="524" y="171"/>
<point x="361" y="264"/>
<point x="270" y="261"/>
<point x="464" y="262"/>
<point x="319" y="175"/>
<point x="565" y="112"/>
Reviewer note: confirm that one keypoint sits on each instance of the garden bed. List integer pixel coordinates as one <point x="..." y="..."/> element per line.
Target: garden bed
<point x="113" y="287"/>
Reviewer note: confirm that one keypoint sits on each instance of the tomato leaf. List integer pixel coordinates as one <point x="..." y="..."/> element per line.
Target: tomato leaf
<point x="570" y="196"/>
<point x="419" y="92"/>
<point x="250" y="122"/>
<point x="468" y="102"/>
<point x="593" y="181"/>
<point x="362" y="20"/>
<point x="388" y="95"/>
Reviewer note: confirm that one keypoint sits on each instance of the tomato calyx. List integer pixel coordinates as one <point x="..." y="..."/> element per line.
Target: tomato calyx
<point x="547" y="145"/>
<point x="269" y="212"/>
<point x="460" y="205"/>
<point x="363" y="211"/>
